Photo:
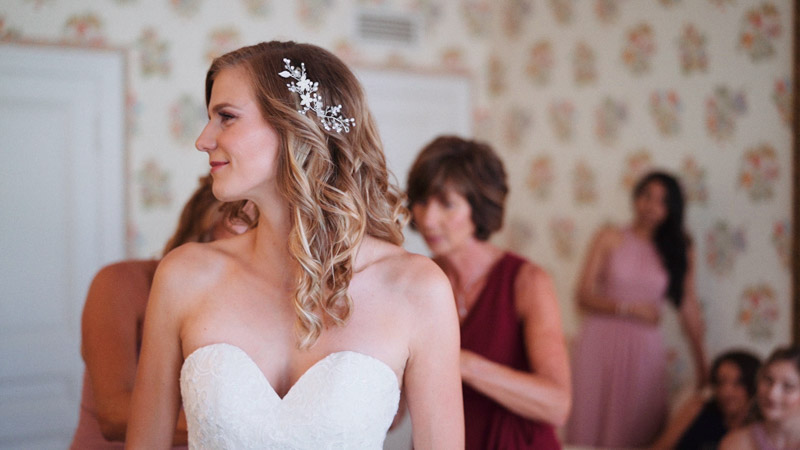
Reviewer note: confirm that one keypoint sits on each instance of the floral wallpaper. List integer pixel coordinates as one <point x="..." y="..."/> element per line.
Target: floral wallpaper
<point x="580" y="97"/>
<point x="615" y="88"/>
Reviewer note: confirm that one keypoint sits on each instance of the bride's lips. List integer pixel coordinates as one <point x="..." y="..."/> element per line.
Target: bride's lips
<point x="216" y="165"/>
<point x="432" y="240"/>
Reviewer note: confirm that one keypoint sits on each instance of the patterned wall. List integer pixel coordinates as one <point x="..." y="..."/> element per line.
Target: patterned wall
<point x="580" y="97"/>
<point x="587" y="95"/>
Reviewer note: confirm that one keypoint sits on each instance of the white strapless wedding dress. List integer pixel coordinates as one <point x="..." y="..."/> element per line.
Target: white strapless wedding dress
<point x="345" y="401"/>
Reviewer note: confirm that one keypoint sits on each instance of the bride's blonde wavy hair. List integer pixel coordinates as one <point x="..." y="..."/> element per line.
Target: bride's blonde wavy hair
<point x="336" y="184"/>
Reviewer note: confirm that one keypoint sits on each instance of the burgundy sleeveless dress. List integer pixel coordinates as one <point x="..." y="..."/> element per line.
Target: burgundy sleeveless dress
<point x="493" y="330"/>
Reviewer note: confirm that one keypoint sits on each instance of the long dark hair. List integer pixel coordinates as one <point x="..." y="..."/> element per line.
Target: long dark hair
<point x="671" y="241"/>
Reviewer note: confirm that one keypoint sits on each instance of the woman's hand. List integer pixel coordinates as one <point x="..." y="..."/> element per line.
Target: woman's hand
<point x="645" y="312"/>
<point x="544" y="393"/>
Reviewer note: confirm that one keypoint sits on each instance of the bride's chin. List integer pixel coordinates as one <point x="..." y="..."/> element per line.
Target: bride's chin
<point x="222" y="194"/>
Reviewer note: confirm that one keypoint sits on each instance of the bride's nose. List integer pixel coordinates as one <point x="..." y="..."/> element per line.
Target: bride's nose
<point x="207" y="140"/>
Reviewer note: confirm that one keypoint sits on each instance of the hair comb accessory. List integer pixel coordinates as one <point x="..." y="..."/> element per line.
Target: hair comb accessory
<point x="330" y="117"/>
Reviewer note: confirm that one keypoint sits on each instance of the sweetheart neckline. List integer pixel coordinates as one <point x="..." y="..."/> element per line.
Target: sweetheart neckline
<point x="297" y="381"/>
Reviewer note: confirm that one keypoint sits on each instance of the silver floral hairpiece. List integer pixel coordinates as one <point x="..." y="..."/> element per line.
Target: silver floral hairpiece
<point x="330" y="117"/>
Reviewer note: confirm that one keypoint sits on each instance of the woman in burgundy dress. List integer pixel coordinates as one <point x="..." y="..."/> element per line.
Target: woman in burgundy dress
<point x="514" y="364"/>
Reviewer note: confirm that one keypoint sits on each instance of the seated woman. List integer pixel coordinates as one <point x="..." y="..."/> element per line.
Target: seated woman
<point x="702" y="422"/>
<point x="112" y="327"/>
<point x="778" y="400"/>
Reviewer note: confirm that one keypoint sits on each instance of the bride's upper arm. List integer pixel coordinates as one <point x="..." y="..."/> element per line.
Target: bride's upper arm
<point x="432" y="380"/>
<point x="156" y="394"/>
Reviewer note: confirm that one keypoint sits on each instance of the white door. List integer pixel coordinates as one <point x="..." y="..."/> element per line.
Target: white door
<point x="62" y="200"/>
<point x="411" y="109"/>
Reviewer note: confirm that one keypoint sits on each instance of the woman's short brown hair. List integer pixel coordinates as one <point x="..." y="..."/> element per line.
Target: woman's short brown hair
<point x="469" y="167"/>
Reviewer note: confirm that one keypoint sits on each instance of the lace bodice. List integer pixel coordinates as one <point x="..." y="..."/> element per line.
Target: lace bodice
<point x="345" y="401"/>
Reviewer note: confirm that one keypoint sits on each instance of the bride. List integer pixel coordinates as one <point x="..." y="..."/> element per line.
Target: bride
<point x="301" y="332"/>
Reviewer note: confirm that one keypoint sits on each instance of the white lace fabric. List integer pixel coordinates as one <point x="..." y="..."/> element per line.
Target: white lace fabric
<point x="345" y="401"/>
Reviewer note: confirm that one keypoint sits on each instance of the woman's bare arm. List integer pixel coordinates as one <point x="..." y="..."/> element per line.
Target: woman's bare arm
<point x="681" y="421"/>
<point x="693" y="324"/>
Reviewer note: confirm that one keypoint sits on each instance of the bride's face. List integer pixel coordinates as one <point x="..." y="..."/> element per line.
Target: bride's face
<point x="242" y="146"/>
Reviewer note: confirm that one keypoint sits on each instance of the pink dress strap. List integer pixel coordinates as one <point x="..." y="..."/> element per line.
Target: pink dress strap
<point x="760" y="437"/>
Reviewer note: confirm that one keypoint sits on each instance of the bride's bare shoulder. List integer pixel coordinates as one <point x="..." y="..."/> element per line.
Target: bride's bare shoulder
<point x="413" y="277"/>
<point x="197" y="266"/>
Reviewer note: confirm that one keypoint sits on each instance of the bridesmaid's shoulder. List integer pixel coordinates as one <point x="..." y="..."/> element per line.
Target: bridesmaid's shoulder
<point x="131" y="271"/>
<point x="608" y="236"/>
<point x="123" y="285"/>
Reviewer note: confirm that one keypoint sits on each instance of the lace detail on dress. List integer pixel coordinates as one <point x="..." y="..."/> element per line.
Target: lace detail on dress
<point x="347" y="400"/>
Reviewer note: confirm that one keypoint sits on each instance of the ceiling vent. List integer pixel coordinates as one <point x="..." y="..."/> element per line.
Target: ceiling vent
<point x="387" y="28"/>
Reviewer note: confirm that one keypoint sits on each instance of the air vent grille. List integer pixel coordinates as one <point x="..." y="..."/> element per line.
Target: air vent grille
<point x="387" y="28"/>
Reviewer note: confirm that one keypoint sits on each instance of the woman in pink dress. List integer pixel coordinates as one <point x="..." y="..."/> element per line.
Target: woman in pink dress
<point x="514" y="363"/>
<point x="619" y="360"/>
<point x="112" y="322"/>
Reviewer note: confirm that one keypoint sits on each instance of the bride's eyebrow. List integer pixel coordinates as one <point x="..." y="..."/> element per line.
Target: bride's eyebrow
<point x="222" y="105"/>
<point x="217" y="107"/>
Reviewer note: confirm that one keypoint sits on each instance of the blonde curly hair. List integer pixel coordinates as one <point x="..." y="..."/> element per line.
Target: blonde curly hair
<point x="336" y="184"/>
